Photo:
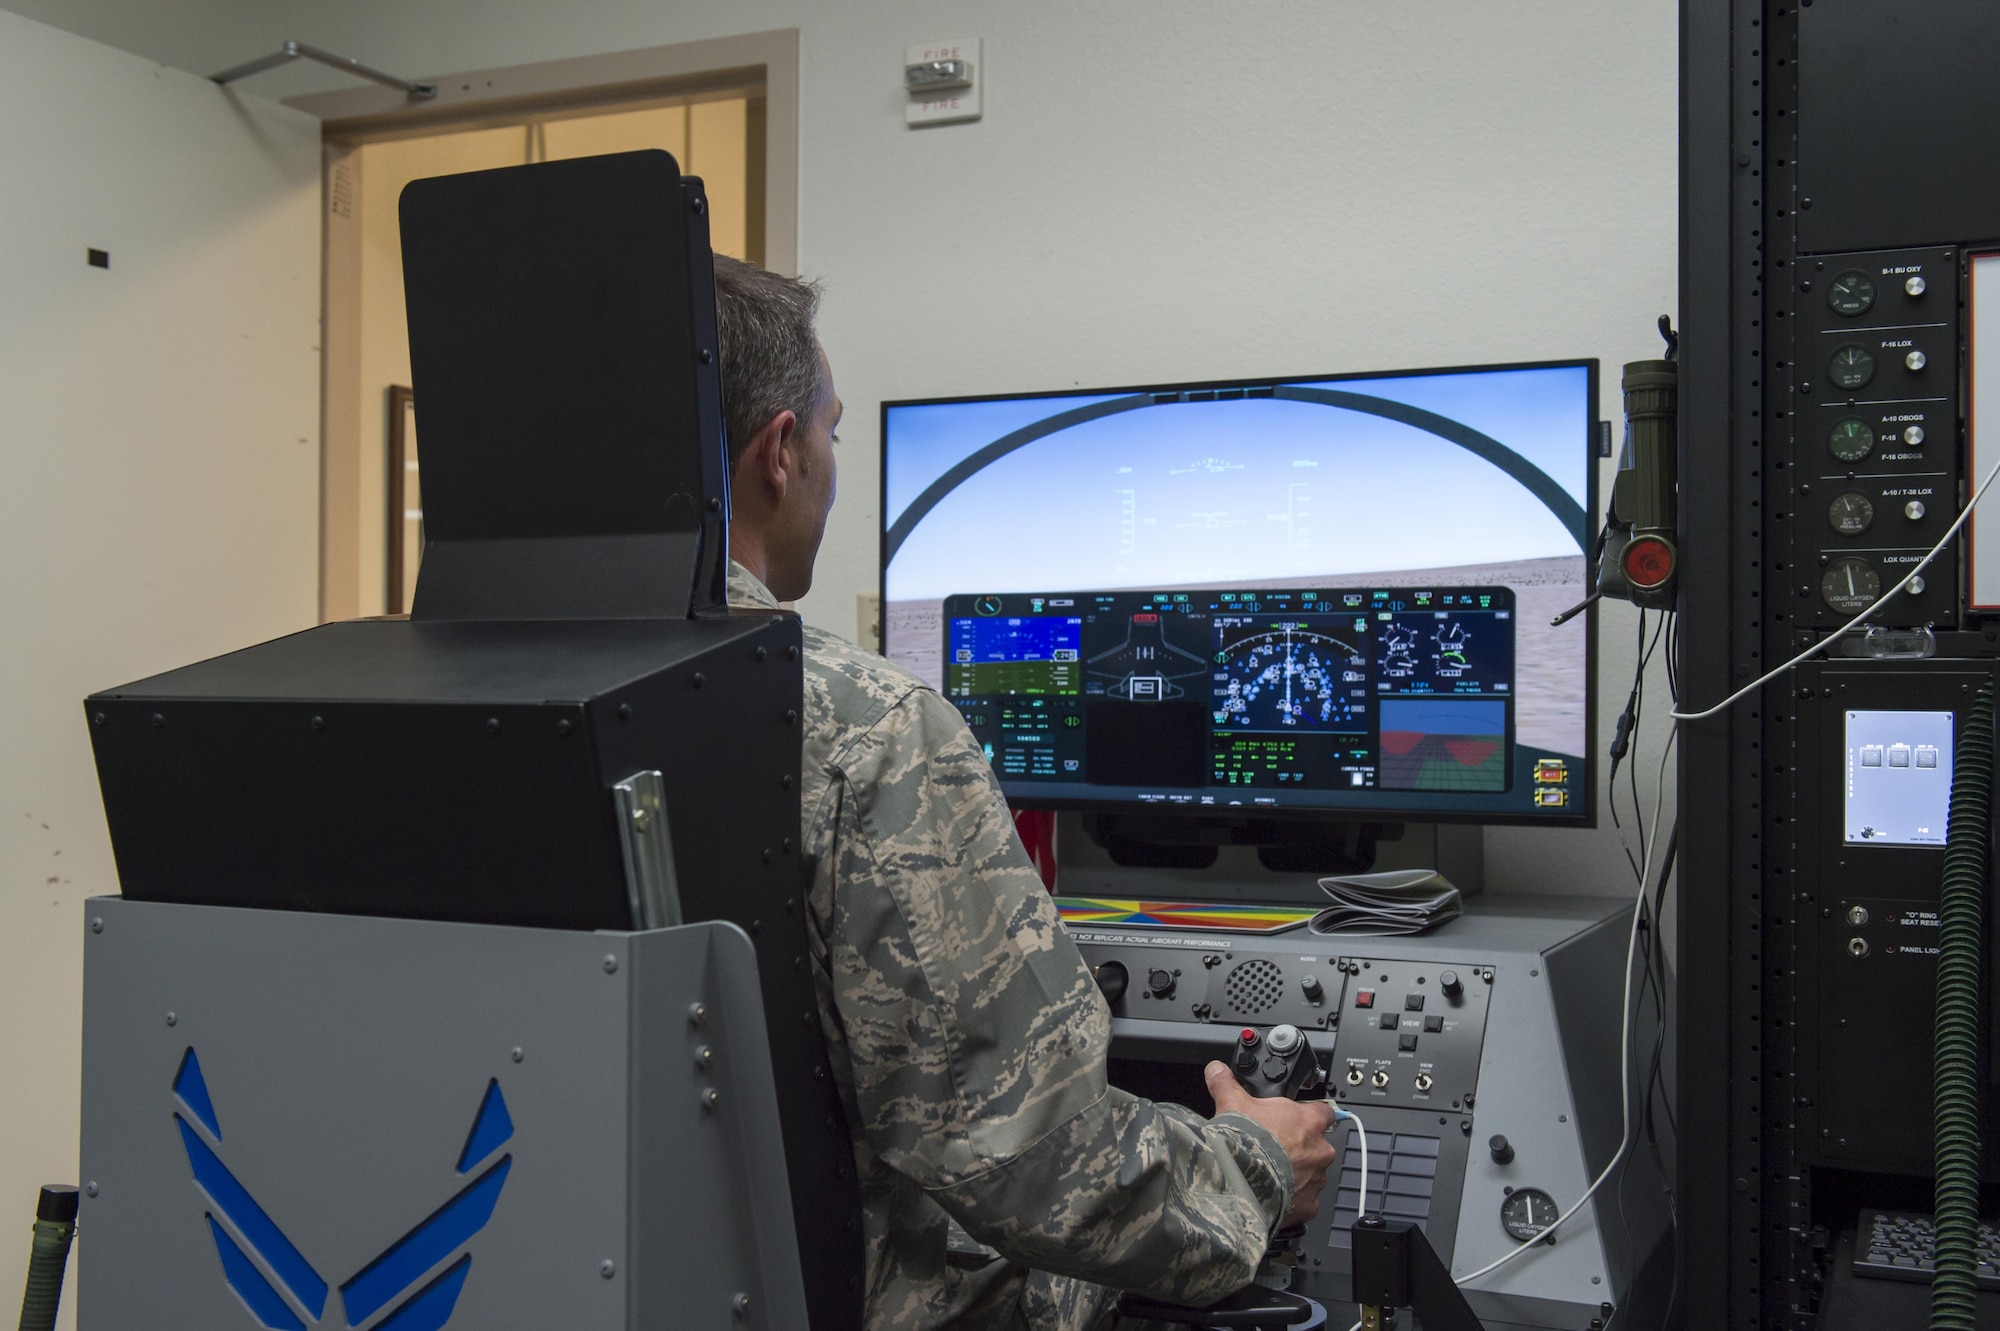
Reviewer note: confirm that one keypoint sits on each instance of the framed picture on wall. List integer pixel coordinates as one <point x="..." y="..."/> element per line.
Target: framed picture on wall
<point x="404" y="528"/>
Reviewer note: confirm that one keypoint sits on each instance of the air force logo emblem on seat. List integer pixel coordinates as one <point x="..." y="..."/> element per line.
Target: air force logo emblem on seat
<point x="415" y="1278"/>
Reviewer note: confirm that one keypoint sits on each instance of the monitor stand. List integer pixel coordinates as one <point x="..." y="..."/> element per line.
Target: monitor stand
<point x="1119" y="855"/>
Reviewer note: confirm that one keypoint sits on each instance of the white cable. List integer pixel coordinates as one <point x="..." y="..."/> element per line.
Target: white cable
<point x="1360" y="1132"/>
<point x="1881" y="601"/>
<point x="1624" y="1050"/>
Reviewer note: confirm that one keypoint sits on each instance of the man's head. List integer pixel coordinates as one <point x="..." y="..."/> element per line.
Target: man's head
<point x="780" y="410"/>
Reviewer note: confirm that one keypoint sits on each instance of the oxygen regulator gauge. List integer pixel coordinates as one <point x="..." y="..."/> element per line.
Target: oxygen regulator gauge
<point x="1850" y="585"/>
<point x="1851" y="293"/>
<point x="1527" y="1213"/>
<point x="1850" y="367"/>
<point x="1851" y="513"/>
<point x="1851" y="439"/>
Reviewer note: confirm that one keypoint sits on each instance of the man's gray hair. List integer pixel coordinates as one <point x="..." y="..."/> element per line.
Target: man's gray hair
<point x="770" y="353"/>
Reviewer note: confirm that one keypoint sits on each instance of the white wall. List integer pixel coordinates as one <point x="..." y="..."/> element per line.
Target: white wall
<point x="159" y="463"/>
<point x="1160" y="189"/>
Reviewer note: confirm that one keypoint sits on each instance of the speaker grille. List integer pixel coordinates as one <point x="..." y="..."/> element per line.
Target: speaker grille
<point x="1253" y="986"/>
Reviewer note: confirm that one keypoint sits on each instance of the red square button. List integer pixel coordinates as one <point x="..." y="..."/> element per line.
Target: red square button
<point x="1364" y="998"/>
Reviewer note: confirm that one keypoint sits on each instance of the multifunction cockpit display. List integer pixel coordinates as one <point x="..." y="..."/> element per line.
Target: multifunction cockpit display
<point x="1239" y="698"/>
<point x="1307" y="595"/>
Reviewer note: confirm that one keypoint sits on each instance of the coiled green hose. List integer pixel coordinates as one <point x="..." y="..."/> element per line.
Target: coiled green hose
<point x="1955" y="1074"/>
<point x="55" y="1225"/>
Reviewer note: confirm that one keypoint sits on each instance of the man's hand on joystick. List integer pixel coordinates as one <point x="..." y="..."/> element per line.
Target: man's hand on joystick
<point x="1299" y="1126"/>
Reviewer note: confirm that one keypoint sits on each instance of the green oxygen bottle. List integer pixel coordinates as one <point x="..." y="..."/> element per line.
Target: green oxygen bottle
<point x="55" y="1226"/>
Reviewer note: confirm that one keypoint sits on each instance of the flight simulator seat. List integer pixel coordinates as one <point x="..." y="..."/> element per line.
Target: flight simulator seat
<point x="460" y="972"/>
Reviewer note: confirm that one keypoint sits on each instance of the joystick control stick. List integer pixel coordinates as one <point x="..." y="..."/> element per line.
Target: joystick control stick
<point x="1277" y="1062"/>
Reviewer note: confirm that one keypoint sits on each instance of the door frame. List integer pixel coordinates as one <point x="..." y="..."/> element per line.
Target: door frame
<point x="353" y="116"/>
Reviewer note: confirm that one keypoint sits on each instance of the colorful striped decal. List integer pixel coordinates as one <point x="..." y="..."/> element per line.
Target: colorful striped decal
<point x="1233" y="917"/>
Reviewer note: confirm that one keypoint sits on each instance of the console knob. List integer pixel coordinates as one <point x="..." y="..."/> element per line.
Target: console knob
<point x="1453" y="986"/>
<point x="1503" y="1154"/>
<point x="1916" y="360"/>
<point x="1314" y="991"/>
<point x="1112" y="977"/>
<point x="1915" y="286"/>
<point x="1161" y="982"/>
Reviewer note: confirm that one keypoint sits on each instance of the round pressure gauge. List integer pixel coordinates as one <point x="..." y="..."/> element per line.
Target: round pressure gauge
<point x="1851" y="293"/>
<point x="1851" y="513"/>
<point x="1850" y="585"/>
<point x="1851" y="366"/>
<point x="1851" y="439"/>
<point x="1527" y="1213"/>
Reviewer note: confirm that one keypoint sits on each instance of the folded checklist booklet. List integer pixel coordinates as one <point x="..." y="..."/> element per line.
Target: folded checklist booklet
<point x="1403" y="901"/>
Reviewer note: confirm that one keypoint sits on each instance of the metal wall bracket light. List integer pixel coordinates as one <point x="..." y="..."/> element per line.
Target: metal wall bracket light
<point x="291" y="51"/>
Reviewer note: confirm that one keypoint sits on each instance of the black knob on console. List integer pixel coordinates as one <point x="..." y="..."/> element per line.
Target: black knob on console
<point x="1112" y="977"/>
<point x="1314" y="991"/>
<point x="1161" y="982"/>
<point x="1453" y="986"/>
<point x="1503" y="1153"/>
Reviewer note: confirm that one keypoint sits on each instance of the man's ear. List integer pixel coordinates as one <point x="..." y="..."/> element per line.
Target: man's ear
<point x="766" y="462"/>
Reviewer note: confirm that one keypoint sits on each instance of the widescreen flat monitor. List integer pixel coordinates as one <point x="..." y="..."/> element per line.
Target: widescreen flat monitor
<point x="1319" y="596"/>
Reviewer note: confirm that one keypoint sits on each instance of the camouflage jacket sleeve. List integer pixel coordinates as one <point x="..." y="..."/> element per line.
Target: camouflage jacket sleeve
<point x="979" y="1039"/>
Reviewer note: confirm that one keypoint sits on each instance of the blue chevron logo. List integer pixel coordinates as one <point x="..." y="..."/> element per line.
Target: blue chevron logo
<point x="276" y="1283"/>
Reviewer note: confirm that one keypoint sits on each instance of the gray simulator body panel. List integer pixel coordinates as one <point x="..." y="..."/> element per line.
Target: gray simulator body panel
<point x="1531" y="1054"/>
<point x="345" y="1059"/>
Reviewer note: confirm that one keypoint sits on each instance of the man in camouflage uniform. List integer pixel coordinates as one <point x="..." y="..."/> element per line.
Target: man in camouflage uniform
<point x="966" y="1034"/>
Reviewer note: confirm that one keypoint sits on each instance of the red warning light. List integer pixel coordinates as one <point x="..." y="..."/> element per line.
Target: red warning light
<point x="1649" y="562"/>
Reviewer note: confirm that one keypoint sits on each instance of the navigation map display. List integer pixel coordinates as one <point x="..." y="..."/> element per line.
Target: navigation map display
<point x="1324" y="594"/>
